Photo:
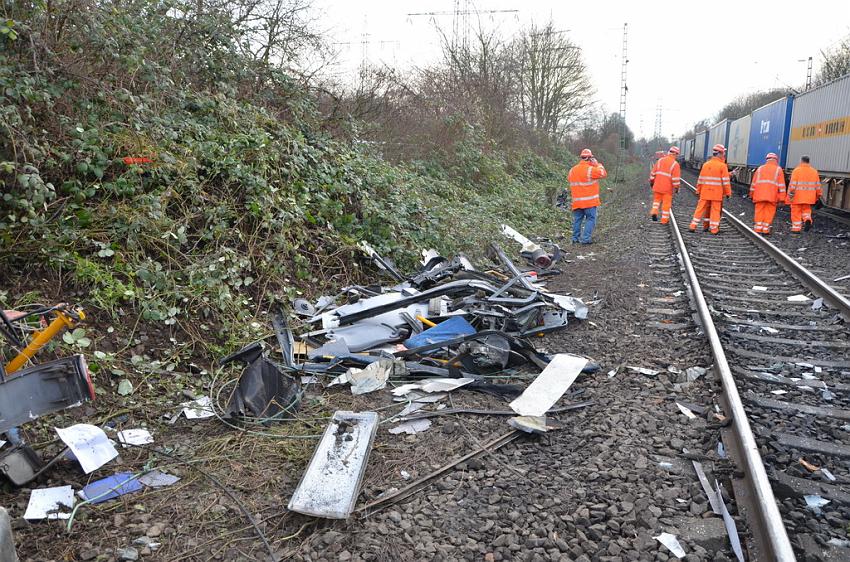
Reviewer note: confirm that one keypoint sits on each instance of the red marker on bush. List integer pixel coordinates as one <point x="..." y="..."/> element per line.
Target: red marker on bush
<point x="131" y="160"/>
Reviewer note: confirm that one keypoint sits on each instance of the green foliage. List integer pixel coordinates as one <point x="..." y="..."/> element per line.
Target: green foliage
<point x="247" y="199"/>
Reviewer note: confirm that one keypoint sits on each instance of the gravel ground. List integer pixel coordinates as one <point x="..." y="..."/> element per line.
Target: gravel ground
<point x="600" y="488"/>
<point x="615" y="476"/>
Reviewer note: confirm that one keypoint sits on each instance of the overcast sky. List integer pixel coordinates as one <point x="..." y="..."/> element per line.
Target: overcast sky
<point x="690" y="57"/>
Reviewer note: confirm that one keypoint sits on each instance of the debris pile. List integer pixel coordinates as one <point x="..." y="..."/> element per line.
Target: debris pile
<point x="447" y="326"/>
<point x="448" y="319"/>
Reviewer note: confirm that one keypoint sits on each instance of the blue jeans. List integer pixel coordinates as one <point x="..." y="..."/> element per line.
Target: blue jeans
<point x="583" y="218"/>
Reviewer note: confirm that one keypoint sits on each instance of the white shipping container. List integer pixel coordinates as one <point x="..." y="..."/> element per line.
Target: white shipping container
<point x="820" y="128"/>
<point x="699" y="146"/>
<point x="739" y="141"/>
<point x="718" y="134"/>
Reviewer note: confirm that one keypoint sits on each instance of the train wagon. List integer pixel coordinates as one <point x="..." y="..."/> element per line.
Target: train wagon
<point x="769" y="132"/>
<point x="718" y="134"/>
<point x="688" y="150"/>
<point x="739" y="142"/>
<point x="820" y="128"/>
<point x="700" y="153"/>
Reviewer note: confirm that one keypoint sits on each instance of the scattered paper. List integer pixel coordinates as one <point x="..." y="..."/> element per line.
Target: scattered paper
<point x="759" y="288"/>
<point x="135" y="437"/>
<point x="309" y="379"/>
<point x="643" y="371"/>
<point x="779" y="392"/>
<point x="686" y="411"/>
<point x="829" y="476"/>
<point x="50" y="503"/>
<point x="612" y="373"/>
<point x="375" y="375"/>
<point x="693" y="373"/>
<point x="532" y="424"/>
<point x="89" y="444"/>
<point x="110" y="487"/>
<point x="769" y="330"/>
<point x="814" y="502"/>
<point x="158" y="479"/>
<point x="798" y="298"/>
<point x="411" y="427"/>
<point x="818" y="304"/>
<point x="432" y="385"/>
<point x="721" y="450"/>
<point x="199" y="408"/>
<point x="672" y="544"/>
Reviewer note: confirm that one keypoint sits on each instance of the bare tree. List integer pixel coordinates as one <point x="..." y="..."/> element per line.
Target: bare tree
<point x="554" y="87"/>
<point x="745" y="104"/>
<point x="836" y="62"/>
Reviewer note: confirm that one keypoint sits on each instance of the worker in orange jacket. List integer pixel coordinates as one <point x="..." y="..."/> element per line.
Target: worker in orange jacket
<point x="664" y="179"/>
<point x="766" y="190"/>
<point x="804" y="190"/>
<point x="584" y="190"/>
<point x="713" y="185"/>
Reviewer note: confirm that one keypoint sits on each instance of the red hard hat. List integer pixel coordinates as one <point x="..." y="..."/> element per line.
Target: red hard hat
<point x="674" y="150"/>
<point x="586" y="153"/>
<point x="771" y="155"/>
<point x="718" y="148"/>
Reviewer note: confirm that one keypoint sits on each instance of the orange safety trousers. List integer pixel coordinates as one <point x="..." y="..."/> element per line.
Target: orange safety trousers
<point x="662" y="201"/>
<point x="765" y="211"/>
<point x="713" y="210"/>
<point x="800" y="213"/>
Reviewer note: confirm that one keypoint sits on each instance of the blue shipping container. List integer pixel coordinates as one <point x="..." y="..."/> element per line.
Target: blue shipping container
<point x="769" y="131"/>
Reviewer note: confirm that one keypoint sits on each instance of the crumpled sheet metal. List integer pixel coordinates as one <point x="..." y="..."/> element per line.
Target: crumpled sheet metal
<point x="331" y="483"/>
<point x="263" y="391"/>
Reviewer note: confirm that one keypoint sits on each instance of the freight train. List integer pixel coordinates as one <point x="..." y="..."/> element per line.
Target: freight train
<point x="814" y="123"/>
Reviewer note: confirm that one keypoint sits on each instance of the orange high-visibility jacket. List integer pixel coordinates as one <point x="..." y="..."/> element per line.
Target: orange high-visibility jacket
<point x="804" y="185"/>
<point x="665" y="175"/>
<point x="713" y="182"/>
<point x="768" y="184"/>
<point x="584" y="184"/>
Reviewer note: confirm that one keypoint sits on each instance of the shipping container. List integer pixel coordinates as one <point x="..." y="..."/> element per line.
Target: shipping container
<point x="769" y="131"/>
<point x="739" y="141"/>
<point x="718" y="134"/>
<point x="688" y="150"/>
<point x="820" y="128"/>
<point x="701" y="147"/>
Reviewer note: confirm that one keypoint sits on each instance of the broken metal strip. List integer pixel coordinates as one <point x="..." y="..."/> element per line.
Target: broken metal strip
<point x="414" y="487"/>
<point x="729" y="523"/>
<point x="768" y="518"/>
<point x="452" y="287"/>
<point x="284" y="338"/>
<point x="706" y="487"/>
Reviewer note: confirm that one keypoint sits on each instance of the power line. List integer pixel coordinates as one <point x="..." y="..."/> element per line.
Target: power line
<point x="624" y="89"/>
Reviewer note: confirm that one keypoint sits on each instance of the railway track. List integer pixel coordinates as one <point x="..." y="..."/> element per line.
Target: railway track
<point x="783" y="363"/>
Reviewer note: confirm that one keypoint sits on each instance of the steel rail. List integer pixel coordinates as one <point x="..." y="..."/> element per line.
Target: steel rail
<point x="768" y="519"/>
<point x="809" y="279"/>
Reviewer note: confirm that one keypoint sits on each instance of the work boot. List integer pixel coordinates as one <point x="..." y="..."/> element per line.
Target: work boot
<point x="807" y="226"/>
<point x="654" y="218"/>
